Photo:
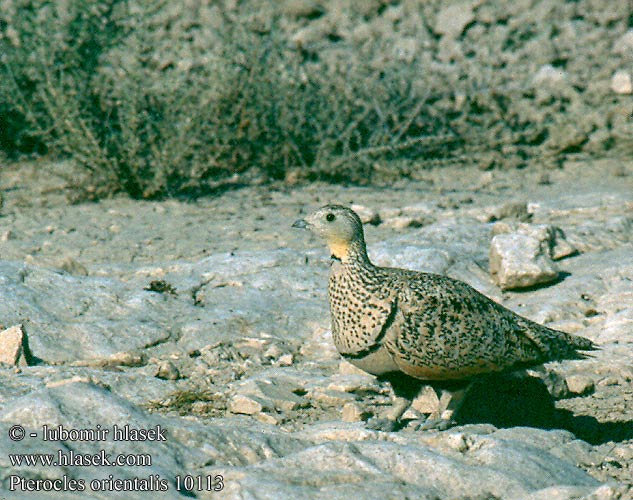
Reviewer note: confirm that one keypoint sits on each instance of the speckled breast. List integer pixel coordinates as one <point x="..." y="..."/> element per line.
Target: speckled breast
<point x="359" y="312"/>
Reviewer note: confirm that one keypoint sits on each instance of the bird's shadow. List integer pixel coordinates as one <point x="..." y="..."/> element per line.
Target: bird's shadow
<point x="525" y="401"/>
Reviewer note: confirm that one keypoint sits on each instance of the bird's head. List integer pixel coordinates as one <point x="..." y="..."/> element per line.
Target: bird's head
<point x="339" y="226"/>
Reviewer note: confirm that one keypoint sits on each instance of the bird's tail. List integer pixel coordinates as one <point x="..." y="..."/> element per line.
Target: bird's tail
<point x="556" y="345"/>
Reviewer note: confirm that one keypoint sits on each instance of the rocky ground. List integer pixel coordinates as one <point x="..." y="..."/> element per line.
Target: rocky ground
<point x="209" y="319"/>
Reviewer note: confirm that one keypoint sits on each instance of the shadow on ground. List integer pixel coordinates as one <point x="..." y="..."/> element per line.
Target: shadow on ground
<point x="525" y="401"/>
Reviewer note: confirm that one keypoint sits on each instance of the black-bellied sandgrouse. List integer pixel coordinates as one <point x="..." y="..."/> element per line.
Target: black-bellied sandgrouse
<point x="397" y="323"/>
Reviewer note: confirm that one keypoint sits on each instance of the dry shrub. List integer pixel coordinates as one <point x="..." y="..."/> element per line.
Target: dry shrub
<point x="95" y="90"/>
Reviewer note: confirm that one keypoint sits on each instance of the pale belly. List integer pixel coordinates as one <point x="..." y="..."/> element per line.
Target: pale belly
<point x="376" y="363"/>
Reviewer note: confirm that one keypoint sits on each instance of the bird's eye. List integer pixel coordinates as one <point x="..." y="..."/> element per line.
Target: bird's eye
<point x="330" y="217"/>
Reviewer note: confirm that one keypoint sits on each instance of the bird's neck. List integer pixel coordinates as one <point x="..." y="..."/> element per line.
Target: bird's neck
<point x="350" y="252"/>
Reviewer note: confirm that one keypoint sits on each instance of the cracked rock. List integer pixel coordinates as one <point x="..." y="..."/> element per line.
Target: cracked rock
<point x="552" y="237"/>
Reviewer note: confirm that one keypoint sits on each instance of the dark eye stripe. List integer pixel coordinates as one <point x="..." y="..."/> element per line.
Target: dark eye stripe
<point x="330" y="217"/>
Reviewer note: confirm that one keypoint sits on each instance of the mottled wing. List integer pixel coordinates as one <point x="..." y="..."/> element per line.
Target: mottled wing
<point x="445" y="329"/>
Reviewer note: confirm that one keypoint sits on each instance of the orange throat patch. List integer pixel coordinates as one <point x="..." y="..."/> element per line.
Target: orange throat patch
<point x="339" y="248"/>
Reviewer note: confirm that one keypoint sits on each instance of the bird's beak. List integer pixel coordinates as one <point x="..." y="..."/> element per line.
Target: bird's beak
<point x="301" y="224"/>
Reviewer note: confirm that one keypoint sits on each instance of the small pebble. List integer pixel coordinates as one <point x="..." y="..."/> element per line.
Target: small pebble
<point x="608" y="381"/>
<point x="353" y="412"/>
<point x="268" y="418"/>
<point x="580" y="384"/>
<point x="167" y="371"/>
<point x="621" y="82"/>
<point x="285" y="360"/>
<point x="246" y="405"/>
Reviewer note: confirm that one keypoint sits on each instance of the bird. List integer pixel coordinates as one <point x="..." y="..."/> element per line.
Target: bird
<point x="406" y="326"/>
